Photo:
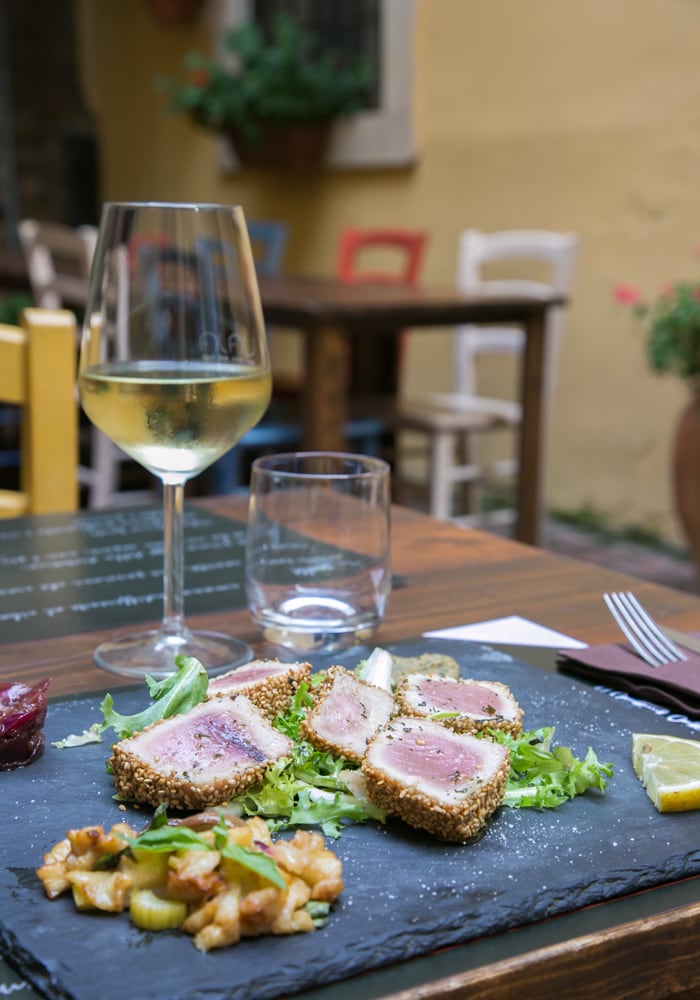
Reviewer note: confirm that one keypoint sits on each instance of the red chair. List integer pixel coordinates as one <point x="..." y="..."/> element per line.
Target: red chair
<point x="405" y="247"/>
<point x="382" y="255"/>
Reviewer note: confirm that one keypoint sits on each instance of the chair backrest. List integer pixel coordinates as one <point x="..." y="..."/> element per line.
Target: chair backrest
<point x="383" y="255"/>
<point x="58" y="260"/>
<point x="37" y="373"/>
<point x="403" y="249"/>
<point x="268" y="241"/>
<point x="519" y="248"/>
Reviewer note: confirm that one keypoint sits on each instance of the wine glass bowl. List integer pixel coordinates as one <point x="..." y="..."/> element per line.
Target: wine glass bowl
<point x="174" y="368"/>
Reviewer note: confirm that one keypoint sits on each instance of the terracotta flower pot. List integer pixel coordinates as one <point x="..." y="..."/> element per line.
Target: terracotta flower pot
<point x="686" y="475"/>
<point x="175" y="11"/>
<point x="288" y="145"/>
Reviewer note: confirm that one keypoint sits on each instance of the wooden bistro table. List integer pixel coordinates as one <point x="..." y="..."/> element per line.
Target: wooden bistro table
<point x="639" y="945"/>
<point x="329" y="312"/>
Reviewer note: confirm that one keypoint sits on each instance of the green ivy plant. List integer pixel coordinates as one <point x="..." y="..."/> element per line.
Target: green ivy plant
<point x="673" y="327"/>
<point x="267" y="81"/>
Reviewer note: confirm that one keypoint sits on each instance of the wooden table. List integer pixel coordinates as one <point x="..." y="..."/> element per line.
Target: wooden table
<point x="329" y="313"/>
<point x="640" y="946"/>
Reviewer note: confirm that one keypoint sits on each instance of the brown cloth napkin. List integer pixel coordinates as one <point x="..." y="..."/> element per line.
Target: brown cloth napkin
<point x="676" y="685"/>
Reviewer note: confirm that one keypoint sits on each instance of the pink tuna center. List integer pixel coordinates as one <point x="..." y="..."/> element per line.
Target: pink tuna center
<point x="244" y="675"/>
<point x="468" y="699"/>
<point x="207" y="741"/>
<point x="432" y="759"/>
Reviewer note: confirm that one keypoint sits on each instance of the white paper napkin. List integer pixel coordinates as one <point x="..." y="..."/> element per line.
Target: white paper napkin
<point x="511" y="630"/>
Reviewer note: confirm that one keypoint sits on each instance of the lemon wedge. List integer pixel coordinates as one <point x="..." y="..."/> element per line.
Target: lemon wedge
<point x="669" y="769"/>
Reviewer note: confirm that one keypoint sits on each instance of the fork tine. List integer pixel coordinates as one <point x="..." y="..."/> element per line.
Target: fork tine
<point x="662" y="641"/>
<point x="627" y="631"/>
<point x="645" y="627"/>
<point x="637" y="623"/>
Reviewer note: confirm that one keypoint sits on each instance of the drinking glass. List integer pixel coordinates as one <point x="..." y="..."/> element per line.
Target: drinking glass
<point x="174" y="368"/>
<point x="318" y="552"/>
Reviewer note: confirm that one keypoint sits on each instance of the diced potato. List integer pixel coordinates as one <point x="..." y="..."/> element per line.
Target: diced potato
<point x="147" y="871"/>
<point x="214" y="898"/>
<point x="193" y="875"/>
<point x="223" y="925"/>
<point x="99" y="890"/>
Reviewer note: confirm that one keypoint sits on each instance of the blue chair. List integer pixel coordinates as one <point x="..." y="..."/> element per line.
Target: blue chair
<point x="269" y="243"/>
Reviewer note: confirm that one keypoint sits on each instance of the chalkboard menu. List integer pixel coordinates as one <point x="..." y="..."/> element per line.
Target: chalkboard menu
<point x="96" y="569"/>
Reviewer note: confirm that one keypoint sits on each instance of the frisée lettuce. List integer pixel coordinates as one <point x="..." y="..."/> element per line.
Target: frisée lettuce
<point x="544" y="776"/>
<point x="308" y="788"/>
<point x="311" y="787"/>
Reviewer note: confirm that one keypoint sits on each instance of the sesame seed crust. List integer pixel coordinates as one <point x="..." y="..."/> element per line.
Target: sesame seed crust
<point x="273" y="693"/>
<point x="402" y="797"/>
<point x="202" y="758"/>
<point x="137" y="781"/>
<point x="309" y="726"/>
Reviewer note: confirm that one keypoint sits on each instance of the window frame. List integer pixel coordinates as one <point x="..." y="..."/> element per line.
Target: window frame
<point x="380" y="137"/>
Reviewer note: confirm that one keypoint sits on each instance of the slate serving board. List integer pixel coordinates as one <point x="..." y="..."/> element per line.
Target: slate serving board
<point x="405" y="894"/>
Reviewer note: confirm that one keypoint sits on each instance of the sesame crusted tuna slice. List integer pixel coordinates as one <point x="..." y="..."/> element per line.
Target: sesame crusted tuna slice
<point x="434" y="779"/>
<point x="202" y="758"/>
<point x="268" y="683"/>
<point x="346" y="714"/>
<point x="479" y="705"/>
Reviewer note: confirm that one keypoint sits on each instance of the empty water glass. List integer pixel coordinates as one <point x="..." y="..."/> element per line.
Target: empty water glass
<point x="318" y="559"/>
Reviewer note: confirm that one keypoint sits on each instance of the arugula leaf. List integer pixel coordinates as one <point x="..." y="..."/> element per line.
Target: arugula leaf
<point x="173" y="695"/>
<point x="544" y="777"/>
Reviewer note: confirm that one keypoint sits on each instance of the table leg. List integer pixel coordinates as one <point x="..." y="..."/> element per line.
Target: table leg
<point x="325" y="397"/>
<point x="531" y="446"/>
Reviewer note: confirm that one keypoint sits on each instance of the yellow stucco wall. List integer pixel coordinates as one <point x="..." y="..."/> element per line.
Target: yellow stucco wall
<point x="548" y="114"/>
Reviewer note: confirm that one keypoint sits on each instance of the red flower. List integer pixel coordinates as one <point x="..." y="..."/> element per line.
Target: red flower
<point x="627" y="294"/>
<point x="200" y="78"/>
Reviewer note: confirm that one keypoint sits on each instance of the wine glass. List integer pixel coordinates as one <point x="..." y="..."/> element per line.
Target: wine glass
<point x="174" y="368"/>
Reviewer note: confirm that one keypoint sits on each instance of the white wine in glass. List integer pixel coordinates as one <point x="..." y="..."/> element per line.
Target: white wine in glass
<point x="174" y="368"/>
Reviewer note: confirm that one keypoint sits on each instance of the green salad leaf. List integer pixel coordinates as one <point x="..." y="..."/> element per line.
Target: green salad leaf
<point x="307" y="788"/>
<point x="163" y="839"/>
<point x="544" y="776"/>
<point x="173" y="695"/>
<point x="160" y="837"/>
<point x="255" y="861"/>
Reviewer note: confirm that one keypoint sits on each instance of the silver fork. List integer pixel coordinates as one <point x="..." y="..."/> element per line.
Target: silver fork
<point x="641" y="630"/>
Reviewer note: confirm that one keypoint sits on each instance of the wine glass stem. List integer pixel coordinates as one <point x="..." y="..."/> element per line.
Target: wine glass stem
<point x="173" y="560"/>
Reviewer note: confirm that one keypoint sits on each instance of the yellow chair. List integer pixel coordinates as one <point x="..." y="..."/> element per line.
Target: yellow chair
<point x="37" y="373"/>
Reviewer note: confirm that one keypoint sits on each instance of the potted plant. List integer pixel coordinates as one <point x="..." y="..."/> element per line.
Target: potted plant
<point x="274" y="98"/>
<point x="673" y="346"/>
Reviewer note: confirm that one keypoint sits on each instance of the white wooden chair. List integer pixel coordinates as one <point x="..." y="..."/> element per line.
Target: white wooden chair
<point x="58" y="259"/>
<point x="452" y="424"/>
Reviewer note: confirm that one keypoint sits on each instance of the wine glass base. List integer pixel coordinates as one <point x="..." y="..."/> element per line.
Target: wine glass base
<point x="154" y="653"/>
